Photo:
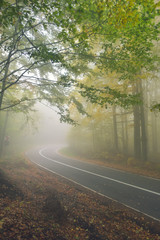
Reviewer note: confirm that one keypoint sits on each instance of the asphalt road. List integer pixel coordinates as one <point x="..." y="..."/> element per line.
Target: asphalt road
<point x="138" y="192"/>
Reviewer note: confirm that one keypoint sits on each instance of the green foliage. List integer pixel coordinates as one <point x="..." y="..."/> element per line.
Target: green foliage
<point x="155" y="107"/>
<point x="59" y="38"/>
<point x="79" y="106"/>
<point x="107" y="95"/>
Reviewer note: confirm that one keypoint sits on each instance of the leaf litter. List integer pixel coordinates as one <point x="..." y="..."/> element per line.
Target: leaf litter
<point x="36" y="204"/>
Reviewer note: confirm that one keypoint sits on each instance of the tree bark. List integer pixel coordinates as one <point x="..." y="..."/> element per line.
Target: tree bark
<point x="126" y="134"/>
<point x="143" y="127"/>
<point x="3" y="134"/>
<point x="115" y="134"/>
<point x="4" y="79"/>
<point x="123" y="135"/>
<point x="137" y="130"/>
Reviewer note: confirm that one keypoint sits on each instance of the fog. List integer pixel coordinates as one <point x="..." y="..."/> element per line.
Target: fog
<point x="129" y="136"/>
<point x="49" y="128"/>
<point x="39" y="127"/>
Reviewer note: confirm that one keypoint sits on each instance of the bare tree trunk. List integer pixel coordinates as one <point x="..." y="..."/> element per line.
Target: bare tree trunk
<point x="144" y="135"/>
<point x="137" y="130"/>
<point x="115" y="134"/>
<point x="3" y="134"/>
<point x="123" y="134"/>
<point x="93" y="138"/>
<point x="143" y="127"/>
<point x="126" y="134"/>
<point x="154" y="134"/>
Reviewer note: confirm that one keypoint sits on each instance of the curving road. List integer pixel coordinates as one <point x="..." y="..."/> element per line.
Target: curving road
<point x="138" y="192"/>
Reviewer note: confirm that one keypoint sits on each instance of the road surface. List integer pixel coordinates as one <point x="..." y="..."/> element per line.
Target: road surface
<point x="138" y="192"/>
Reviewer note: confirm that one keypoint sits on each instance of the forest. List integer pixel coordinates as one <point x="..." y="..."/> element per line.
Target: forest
<point x="94" y="64"/>
<point x="131" y="133"/>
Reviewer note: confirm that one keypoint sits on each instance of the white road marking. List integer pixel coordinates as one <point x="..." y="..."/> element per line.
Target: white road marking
<point x="94" y="191"/>
<point x="107" y="167"/>
<point x="98" y="175"/>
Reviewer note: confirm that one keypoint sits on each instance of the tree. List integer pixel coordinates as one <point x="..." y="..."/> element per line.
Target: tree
<point x="126" y="40"/>
<point x="70" y="26"/>
<point x="36" y="38"/>
<point x="51" y="43"/>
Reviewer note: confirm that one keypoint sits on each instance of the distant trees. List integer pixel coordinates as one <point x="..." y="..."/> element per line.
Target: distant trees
<point x="130" y="54"/>
<point x="48" y="48"/>
<point x="132" y="131"/>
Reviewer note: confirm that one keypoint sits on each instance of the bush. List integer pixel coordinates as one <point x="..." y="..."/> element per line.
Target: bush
<point x="132" y="162"/>
<point x="152" y="166"/>
<point x="104" y="155"/>
<point x="120" y="157"/>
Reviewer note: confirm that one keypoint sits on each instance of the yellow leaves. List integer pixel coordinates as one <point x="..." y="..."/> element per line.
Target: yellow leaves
<point x="1" y="223"/>
<point x="11" y="1"/>
<point x="157" y="4"/>
<point x="92" y="220"/>
<point x="143" y="76"/>
<point x="100" y="7"/>
<point x="101" y="80"/>
<point x="123" y="13"/>
<point x="88" y="215"/>
<point x="7" y="209"/>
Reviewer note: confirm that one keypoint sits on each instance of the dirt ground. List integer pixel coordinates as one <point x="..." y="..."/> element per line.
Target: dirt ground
<point x="36" y="204"/>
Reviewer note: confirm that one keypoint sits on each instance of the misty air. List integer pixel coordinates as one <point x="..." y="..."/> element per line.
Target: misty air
<point x="79" y="120"/>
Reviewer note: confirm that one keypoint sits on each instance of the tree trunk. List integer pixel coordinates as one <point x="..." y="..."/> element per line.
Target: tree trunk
<point x="154" y="134"/>
<point x="4" y="79"/>
<point x="123" y="135"/>
<point x="93" y="138"/>
<point x="143" y="127"/>
<point x="137" y="130"/>
<point x="115" y="134"/>
<point x="154" y="122"/>
<point x="3" y="134"/>
<point x="126" y="134"/>
<point x="144" y="135"/>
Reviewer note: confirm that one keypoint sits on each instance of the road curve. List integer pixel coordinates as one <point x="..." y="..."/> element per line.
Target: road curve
<point x="138" y="192"/>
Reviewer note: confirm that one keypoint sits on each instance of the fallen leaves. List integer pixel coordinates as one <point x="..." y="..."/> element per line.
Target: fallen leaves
<point x="46" y="206"/>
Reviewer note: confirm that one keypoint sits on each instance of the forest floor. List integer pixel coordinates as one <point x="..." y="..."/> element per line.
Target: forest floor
<point x="36" y="204"/>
